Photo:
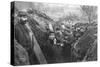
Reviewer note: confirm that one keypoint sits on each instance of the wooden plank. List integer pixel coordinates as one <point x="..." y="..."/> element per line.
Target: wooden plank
<point x="38" y="52"/>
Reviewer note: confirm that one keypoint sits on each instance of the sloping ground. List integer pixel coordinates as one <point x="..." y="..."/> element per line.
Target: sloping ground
<point x="91" y="54"/>
<point x="84" y="46"/>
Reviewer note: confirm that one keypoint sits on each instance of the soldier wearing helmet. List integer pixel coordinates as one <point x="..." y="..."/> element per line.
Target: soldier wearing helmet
<point x="22" y="17"/>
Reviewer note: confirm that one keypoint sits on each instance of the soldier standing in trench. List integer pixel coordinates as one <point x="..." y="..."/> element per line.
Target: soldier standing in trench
<point x="23" y="37"/>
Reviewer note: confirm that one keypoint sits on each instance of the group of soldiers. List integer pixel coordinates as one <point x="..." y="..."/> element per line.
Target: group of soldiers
<point x="65" y="34"/>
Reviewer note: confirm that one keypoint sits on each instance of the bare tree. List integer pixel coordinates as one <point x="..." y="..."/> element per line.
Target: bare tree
<point x="90" y="12"/>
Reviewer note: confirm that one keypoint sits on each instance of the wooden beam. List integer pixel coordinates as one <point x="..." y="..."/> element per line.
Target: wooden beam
<point x="37" y="50"/>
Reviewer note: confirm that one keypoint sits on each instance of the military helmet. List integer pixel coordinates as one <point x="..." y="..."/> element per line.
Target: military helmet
<point x="23" y="17"/>
<point x="30" y="11"/>
<point x="22" y="14"/>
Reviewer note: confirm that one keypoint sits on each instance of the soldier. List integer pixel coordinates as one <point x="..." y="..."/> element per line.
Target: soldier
<point x="22" y="36"/>
<point x="59" y="37"/>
